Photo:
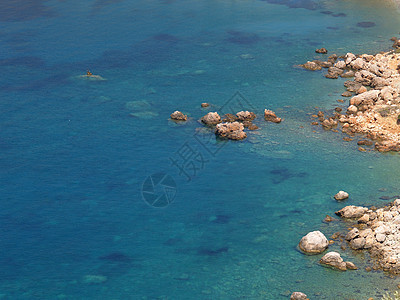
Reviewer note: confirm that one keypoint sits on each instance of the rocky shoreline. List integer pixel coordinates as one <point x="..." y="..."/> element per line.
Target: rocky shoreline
<point x="378" y="232"/>
<point x="371" y="229"/>
<point x="374" y="107"/>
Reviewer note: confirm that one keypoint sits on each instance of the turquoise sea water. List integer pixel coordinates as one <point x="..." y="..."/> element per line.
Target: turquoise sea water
<point x="73" y="159"/>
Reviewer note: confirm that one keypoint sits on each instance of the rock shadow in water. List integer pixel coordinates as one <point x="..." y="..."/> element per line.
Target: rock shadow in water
<point x="45" y="83"/>
<point x="306" y="4"/>
<point x="22" y="10"/>
<point x="212" y="252"/>
<point x="165" y="37"/>
<point x="152" y="51"/>
<point x="366" y="24"/>
<point x="115" y="264"/>
<point x="222" y="219"/>
<point x="26" y="61"/>
<point x="339" y="15"/>
<point x="283" y="174"/>
<point x="100" y="4"/>
<point x="116" y="257"/>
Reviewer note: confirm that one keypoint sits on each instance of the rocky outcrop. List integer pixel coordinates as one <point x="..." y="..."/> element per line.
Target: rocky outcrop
<point x="270" y="116"/>
<point x="375" y="109"/>
<point x="349" y="57"/>
<point x="245" y="116"/>
<point x="341" y="195"/>
<point x="205" y="104"/>
<point x="233" y="131"/>
<point x="178" y="116"/>
<point x="352" y="109"/>
<point x="212" y="118"/>
<point x="351" y="211"/>
<point x="334" y="260"/>
<point x="321" y="51"/>
<point x="298" y="296"/>
<point x="334" y="73"/>
<point x="358" y="64"/>
<point x="314" y="242"/>
<point x="312" y="66"/>
<point x="380" y="236"/>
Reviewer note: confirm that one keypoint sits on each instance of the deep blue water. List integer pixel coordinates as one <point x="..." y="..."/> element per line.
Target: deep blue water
<point x="75" y="152"/>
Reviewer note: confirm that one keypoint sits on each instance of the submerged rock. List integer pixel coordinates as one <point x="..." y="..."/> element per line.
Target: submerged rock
<point x="205" y="105"/>
<point x="229" y="118"/>
<point x="94" y="279"/>
<point x="144" y="115"/>
<point x="139" y="105"/>
<point x="91" y="77"/>
<point x="314" y="242"/>
<point x="334" y="73"/>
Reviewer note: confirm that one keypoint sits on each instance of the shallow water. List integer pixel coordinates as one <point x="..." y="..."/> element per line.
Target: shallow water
<point x="74" y="160"/>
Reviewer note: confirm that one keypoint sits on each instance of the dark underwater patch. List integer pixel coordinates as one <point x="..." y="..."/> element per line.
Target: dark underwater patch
<point x="332" y="28"/>
<point x="24" y="10"/>
<point x="306" y="4"/>
<point x="212" y="252"/>
<point x="100" y="4"/>
<point x="326" y="12"/>
<point x="165" y="37"/>
<point x="389" y="197"/>
<point x="45" y="83"/>
<point x="282" y="174"/>
<point x="339" y="15"/>
<point x="172" y="241"/>
<point x="366" y="24"/>
<point x="116" y="257"/>
<point x="26" y="61"/>
<point x="222" y="219"/>
<point x="242" y="38"/>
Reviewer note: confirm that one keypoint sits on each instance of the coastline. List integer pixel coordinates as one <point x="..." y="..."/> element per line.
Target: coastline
<point x="373" y="88"/>
<point x="373" y="112"/>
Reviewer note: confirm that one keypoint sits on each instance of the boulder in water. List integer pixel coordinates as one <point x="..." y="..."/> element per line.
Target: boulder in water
<point x="314" y="242"/>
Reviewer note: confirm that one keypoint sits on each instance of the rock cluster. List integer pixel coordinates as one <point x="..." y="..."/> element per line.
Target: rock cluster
<point x="232" y="126"/>
<point x="374" y="107"/>
<point x="229" y="126"/>
<point x="378" y="231"/>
